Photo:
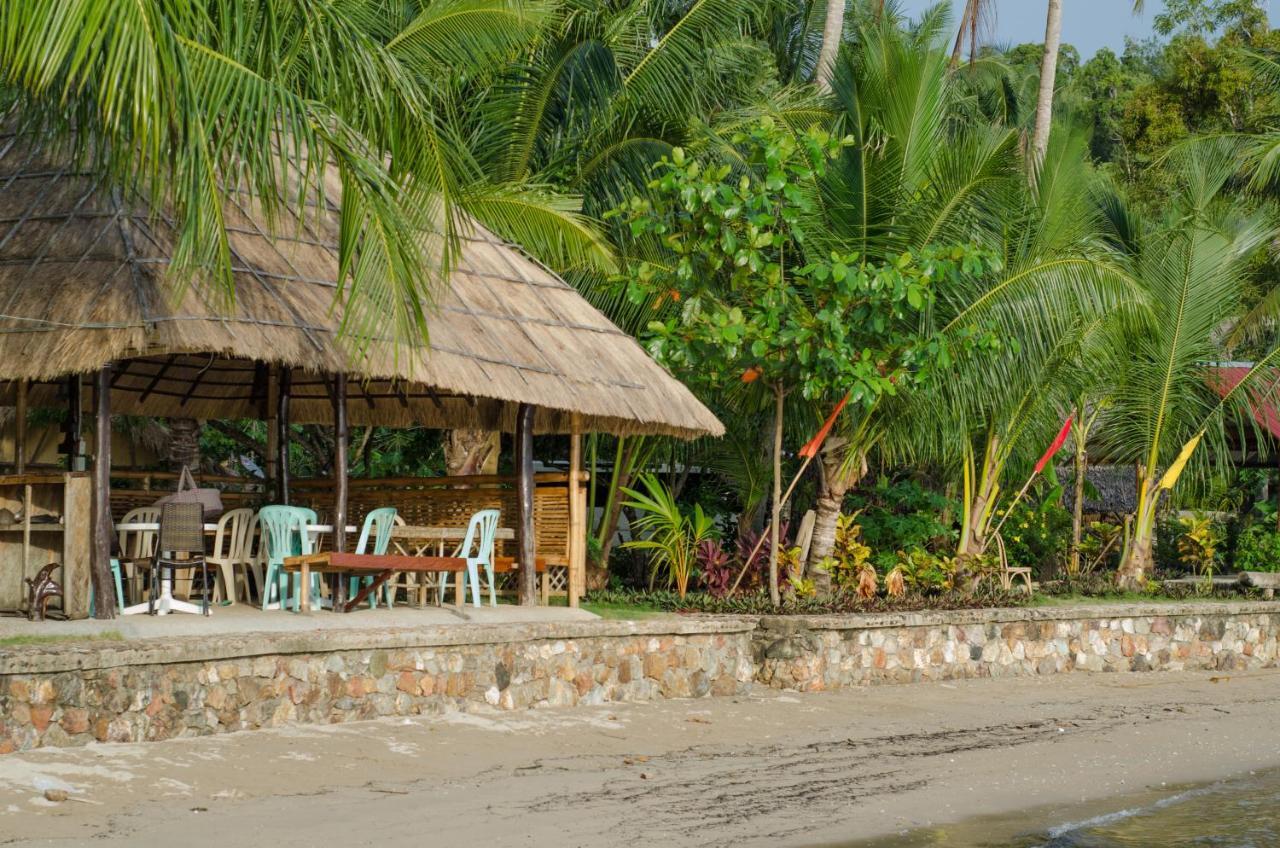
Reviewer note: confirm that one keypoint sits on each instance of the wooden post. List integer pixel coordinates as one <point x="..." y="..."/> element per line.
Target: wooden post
<point x="20" y="429"/>
<point x="577" y="523"/>
<point x="73" y="444"/>
<point x="526" y="533"/>
<point x="282" y="433"/>
<point x="104" y="592"/>
<point x="341" y="435"/>
<point x="270" y="462"/>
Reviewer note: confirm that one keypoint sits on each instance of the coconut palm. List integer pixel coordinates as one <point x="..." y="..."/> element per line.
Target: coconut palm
<point x="1193" y="266"/>
<point x="186" y="103"/>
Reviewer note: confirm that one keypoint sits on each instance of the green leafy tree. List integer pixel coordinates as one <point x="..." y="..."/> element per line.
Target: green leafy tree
<point x="758" y="306"/>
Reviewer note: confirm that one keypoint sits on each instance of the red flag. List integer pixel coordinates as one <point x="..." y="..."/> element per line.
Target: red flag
<point x="1055" y="447"/>
<point x="812" y="446"/>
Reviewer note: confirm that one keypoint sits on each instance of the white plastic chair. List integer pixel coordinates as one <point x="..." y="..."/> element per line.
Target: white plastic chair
<point x="230" y="548"/>
<point x="481" y="532"/>
<point x="255" y="559"/>
<point x="138" y="546"/>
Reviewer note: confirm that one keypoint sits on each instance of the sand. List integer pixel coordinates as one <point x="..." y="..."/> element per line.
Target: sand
<point x="767" y="769"/>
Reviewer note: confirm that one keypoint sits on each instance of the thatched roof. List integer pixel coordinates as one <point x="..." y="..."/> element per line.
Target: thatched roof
<point x="83" y="283"/>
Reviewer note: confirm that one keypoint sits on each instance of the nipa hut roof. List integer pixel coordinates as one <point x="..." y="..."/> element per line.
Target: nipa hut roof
<point x="83" y="283"/>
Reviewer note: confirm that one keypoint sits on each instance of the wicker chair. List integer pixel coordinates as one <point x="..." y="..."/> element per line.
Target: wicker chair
<point x="181" y="532"/>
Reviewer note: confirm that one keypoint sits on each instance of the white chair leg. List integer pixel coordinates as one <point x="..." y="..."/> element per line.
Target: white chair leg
<point x="228" y="574"/>
<point x="442" y="586"/>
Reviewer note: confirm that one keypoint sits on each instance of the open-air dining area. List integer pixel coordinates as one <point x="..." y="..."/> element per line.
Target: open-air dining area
<point x="511" y="348"/>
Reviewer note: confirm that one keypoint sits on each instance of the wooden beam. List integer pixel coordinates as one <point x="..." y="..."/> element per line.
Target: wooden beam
<point x="156" y="378"/>
<point x="525" y="531"/>
<point x="104" y="592"/>
<point x="341" y="436"/>
<point x="577" y="523"/>
<point x="20" y="429"/>
<point x="282" y="434"/>
<point x="195" y="382"/>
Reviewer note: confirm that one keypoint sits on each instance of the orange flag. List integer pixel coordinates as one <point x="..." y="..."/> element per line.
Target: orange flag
<point x="812" y="446"/>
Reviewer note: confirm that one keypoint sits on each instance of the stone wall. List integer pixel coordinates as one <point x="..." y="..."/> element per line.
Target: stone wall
<point x="820" y="653"/>
<point x="124" y="694"/>
<point x="157" y="689"/>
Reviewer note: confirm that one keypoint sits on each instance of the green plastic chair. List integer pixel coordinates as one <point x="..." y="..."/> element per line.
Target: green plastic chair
<point x="482" y="530"/>
<point x="284" y="530"/>
<point x="377" y="524"/>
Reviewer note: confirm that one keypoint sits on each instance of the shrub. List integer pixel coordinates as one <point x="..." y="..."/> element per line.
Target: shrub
<point x="1038" y="535"/>
<point x="715" y="567"/>
<point x="1258" y="548"/>
<point x="903" y="515"/>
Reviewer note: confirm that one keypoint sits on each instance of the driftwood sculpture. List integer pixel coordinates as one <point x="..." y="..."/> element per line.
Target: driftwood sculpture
<point x="40" y="589"/>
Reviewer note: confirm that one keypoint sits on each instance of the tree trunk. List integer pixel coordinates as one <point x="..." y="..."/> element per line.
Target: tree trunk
<point x="832" y="32"/>
<point x="1048" y="75"/>
<point x="1077" y="506"/>
<point x="974" y="541"/>
<point x="1137" y="561"/>
<point x="468" y="452"/>
<point x="958" y="48"/>
<point x="779" y="399"/>
<point x="840" y="469"/>
<point x="184" y="444"/>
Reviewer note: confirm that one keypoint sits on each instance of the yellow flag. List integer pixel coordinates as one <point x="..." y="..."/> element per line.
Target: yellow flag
<point x="1171" y="476"/>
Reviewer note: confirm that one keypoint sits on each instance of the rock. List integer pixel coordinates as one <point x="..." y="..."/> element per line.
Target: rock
<point x="55" y="795"/>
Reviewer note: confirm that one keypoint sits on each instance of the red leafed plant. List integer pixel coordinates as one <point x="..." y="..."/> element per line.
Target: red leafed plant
<point x="714" y="564"/>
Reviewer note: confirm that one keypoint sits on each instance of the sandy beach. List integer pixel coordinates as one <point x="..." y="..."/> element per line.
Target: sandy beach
<point x="766" y="769"/>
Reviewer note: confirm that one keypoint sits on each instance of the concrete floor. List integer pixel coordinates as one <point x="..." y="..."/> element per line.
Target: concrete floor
<point x="242" y="618"/>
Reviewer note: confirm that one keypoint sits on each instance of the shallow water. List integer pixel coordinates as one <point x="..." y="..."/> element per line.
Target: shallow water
<point x="1242" y="813"/>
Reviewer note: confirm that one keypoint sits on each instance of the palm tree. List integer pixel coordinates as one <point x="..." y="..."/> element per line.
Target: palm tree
<point x="1192" y="264"/>
<point x="185" y="102"/>
<point x="1048" y="76"/>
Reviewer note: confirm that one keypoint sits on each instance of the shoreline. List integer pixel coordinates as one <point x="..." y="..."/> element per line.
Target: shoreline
<point x="768" y="768"/>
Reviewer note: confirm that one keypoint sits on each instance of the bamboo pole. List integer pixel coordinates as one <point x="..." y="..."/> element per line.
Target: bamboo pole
<point x="577" y="526"/>
<point x="528" y="547"/>
<point x="341" y="435"/>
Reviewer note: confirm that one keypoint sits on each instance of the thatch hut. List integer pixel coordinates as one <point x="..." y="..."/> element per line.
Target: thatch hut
<point x="84" y="291"/>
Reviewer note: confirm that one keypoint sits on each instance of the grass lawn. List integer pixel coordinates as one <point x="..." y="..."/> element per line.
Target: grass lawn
<point x="18" y="641"/>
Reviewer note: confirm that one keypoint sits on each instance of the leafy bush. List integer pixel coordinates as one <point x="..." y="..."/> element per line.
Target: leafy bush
<point x="715" y="567"/>
<point x="1038" y="535"/>
<point x="1258" y="548"/>
<point x="1199" y="543"/>
<point x="667" y="532"/>
<point x="903" y="515"/>
<point x="849" y="555"/>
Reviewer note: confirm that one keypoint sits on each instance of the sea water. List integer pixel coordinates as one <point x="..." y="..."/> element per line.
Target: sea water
<point x="1241" y="813"/>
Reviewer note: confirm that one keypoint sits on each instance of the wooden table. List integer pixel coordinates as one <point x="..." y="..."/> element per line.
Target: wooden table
<point x="380" y="567"/>
<point x="417" y="539"/>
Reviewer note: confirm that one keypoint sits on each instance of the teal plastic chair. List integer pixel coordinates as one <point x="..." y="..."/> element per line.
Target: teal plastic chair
<point x="377" y="526"/>
<point x="481" y="532"/>
<point x="284" y="530"/>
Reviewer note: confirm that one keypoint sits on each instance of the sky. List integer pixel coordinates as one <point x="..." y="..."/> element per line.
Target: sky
<point x="1087" y="24"/>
